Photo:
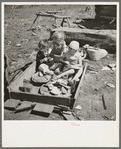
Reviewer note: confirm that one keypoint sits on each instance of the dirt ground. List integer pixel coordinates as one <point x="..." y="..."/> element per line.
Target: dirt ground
<point x="17" y="21"/>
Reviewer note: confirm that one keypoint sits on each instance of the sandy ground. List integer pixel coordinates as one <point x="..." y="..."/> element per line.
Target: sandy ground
<point x="18" y="20"/>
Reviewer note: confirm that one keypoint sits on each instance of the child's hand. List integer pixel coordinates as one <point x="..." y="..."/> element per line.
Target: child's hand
<point x="43" y="60"/>
<point x="67" y="62"/>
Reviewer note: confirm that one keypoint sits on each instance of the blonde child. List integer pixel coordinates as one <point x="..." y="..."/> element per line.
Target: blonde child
<point x="59" y="46"/>
<point x="73" y="57"/>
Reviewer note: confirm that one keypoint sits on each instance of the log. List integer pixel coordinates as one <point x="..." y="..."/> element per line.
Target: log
<point x="103" y="38"/>
<point x="54" y="11"/>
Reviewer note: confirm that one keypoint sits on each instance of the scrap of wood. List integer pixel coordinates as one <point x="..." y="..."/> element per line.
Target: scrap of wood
<point x="11" y="104"/>
<point x="54" y="11"/>
<point x="68" y="116"/>
<point x="43" y="108"/>
<point x="47" y="108"/>
<point x="81" y="81"/>
<point x="25" y="105"/>
<point x="81" y="26"/>
<point x="55" y="25"/>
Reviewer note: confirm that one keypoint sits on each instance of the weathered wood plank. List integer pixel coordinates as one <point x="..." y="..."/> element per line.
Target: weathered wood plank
<point x="53" y="100"/>
<point x="80" y="83"/>
<point x="25" y="75"/>
<point x="68" y="116"/>
<point x="11" y="104"/>
<point x="87" y="31"/>
<point x="101" y="38"/>
<point x="48" y="108"/>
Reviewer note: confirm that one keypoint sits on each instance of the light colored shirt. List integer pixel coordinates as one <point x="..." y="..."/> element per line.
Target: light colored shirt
<point x="73" y="59"/>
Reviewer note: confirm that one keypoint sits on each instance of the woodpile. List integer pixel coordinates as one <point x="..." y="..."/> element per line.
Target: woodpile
<point x="106" y="11"/>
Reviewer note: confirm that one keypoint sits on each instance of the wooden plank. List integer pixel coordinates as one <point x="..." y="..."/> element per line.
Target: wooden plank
<point x="77" y="31"/>
<point x="53" y="100"/>
<point x="43" y="109"/>
<point x="54" y="11"/>
<point x="45" y="15"/>
<point x="80" y="83"/>
<point x="11" y="104"/>
<point x="68" y="22"/>
<point x="47" y="108"/>
<point x="25" y="75"/>
<point x="24" y="104"/>
<point x="38" y="107"/>
<point x="68" y="116"/>
<point x="65" y="17"/>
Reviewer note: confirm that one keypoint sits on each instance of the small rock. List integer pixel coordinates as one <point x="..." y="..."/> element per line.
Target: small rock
<point x="93" y="72"/>
<point x="112" y="65"/>
<point x="110" y="85"/>
<point x="19" y="56"/>
<point x="78" y="107"/>
<point x="9" y="42"/>
<point x="18" y="45"/>
<point x="114" y="69"/>
<point x="24" y="40"/>
<point x="106" y="68"/>
<point x="34" y="34"/>
<point x="13" y="59"/>
<point x="96" y="89"/>
<point x="112" y="117"/>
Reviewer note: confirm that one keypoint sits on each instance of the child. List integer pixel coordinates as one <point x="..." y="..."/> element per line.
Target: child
<point x="43" y="53"/>
<point x="73" y="58"/>
<point x="58" y="45"/>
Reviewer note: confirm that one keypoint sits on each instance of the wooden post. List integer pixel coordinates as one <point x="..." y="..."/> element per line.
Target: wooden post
<point x="68" y="22"/>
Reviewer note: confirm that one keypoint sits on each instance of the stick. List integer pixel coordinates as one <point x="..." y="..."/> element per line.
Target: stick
<point x="104" y="105"/>
<point x="17" y="73"/>
<point x="33" y="23"/>
<point x="81" y="26"/>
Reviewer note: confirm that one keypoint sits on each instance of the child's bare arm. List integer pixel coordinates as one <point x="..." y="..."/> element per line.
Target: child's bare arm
<point x="43" y="60"/>
<point x="80" y="60"/>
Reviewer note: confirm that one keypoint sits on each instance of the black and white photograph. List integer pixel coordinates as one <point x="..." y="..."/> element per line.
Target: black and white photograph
<point x="60" y="63"/>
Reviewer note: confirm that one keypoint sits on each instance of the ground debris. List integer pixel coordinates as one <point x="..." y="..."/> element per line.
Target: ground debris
<point x="105" y="117"/>
<point x="18" y="45"/>
<point x="106" y="68"/>
<point x="78" y="107"/>
<point x="110" y="85"/>
<point x="11" y="104"/>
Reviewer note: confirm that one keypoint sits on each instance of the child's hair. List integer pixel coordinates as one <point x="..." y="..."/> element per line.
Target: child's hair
<point x="58" y="35"/>
<point x="43" y="44"/>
